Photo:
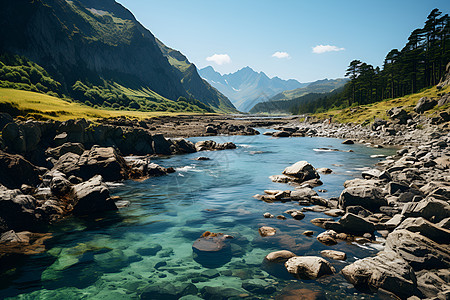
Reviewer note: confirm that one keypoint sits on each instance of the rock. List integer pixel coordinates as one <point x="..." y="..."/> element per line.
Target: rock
<point x="372" y="173"/>
<point x="211" y="250"/>
<point x="279" y="256"/>
<point x="301" y="294"/>
<point x="308" y="233"/>
<point x="302" y="194"/>
<point x="202" y="158"/>
<point x="301" y="170"/>
<point x="327" y="238"/>
<point x="296" y="214"/>
<point x="281" y="134"/>
<point x="25" y="242"/>
<point x="267" y="231"/>
<point x="394" y="221"/>
<point x="281" y="217"/>
<point x="335" y="212"/>
<point x="369" y="197"/>
<point x="220" y="293"/>
<point x="258" y="286"/>
<point x="97" y="161"/>
<point x="92" y="196"/>
<point x="348" y="142"/>
<point x="60" y="186"/>
<point x="320" y="221"/>
<point x="434" y="284"/>
<point x="351" y="223"/>
<point x="15" y="171"/>
<point x="399" y="115"/>
<point x="169" y="291"/>
<point x="425" y="104"/>
<point x="324" y="170"/>
<point x="358" y="210"/>
<point x="17" y="211"/>
<point x="386" y="271"/>
<point x="57" y="152"/>
<point x="427" y="229"/>
<point x="212" y="146"/>
<point x="430" y="209"/>
<point x="309" y="267"/>
<point x="445" y="223"/>
<point x="336" y="255"/>
<point x="268" y="215"/>
<point x="419" y="251"/>
<point x="211" y="130"/>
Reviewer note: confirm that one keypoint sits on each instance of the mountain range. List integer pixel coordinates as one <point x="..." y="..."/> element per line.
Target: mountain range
<point x="246" y="87"/>
<point x="98" y="52"/>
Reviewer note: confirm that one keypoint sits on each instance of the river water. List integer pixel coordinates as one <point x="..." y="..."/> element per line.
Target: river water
<point x="149" y="244"/>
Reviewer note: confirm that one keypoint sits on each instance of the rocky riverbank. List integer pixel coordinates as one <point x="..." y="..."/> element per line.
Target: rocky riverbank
<point x="404" y="198"/>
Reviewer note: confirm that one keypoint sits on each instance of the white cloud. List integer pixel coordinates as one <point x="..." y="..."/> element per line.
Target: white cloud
<point x="326" y="48"/>
<point x="219" y="59"/>
<point x="279" y="54"/>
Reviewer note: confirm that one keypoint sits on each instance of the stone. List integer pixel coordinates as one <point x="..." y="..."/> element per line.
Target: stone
<point x="358" y="210"/>
<point x="301" y="170"/>
<point x="387" y="271"/>
<point x="419" y="251"/>
<point x="348" y="142"/>
<point x="267" y="231"/>
<point x="92" y="196"/>
<point x="425" y="104"/>
<point x="57" y="152"/>
<point x="309" y="267"/>
<point x="279" y="256"/>
<point x="369" y="197"/>
<point x="308" y="233"/>
<point x="60" y="186"/>
<point x="220" y="293"/>
<point x="258" y="286"/>
<point x="335" y="212"/>
<point x="324" y="171"/>
<point x="211" y="250"/>
<point x="427" y="229"/>
<point x="354" y="224"/>
<point x="431" y="209"/>
<point x="15" y="171"/>
<point x="268" y="215"/>
<point x="336" y="255"/>
<point x="302" y="193"/>
<point x="17" y="211"/>
<point x="202" y="158"/>
<point x="327" y="238"/>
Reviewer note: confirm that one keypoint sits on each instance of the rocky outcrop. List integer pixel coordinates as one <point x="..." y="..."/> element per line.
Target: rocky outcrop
<point x="212" y="146"/>
<point x="387" y="271"/>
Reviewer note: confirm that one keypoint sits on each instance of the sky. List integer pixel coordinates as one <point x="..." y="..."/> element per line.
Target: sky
<point x="298" y="39"/>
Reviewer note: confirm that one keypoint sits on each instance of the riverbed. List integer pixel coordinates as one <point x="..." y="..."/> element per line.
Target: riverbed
<point x="148" y="244"/>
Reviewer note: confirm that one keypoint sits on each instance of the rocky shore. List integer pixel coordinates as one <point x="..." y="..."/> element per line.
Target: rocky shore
<point x="405" y="199"/>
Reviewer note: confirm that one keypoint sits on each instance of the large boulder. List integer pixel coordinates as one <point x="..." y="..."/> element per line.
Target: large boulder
<point x="427" y="229"/>
<point x="425" y="104"/>
<point x="302" y="171"/>
<point x="15" y="171"/>
<point x="419" y="251"/>
<point x="92" y="196"/>
<point x="387" y="271"/>
<point x="309" y="267"/>
<point x="369" y="197"/>
<point x="351" y="223"/>
<point x="97" y="161"/>
<point x="398" y="114"/>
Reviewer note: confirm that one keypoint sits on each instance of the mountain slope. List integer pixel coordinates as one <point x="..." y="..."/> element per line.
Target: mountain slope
<point x="98" y="43"/>
<point x="319" y="86"/>
<point x="245" y="88"/>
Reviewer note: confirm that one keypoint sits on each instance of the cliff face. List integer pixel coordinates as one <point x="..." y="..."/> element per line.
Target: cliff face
<point x="91" y="41"/>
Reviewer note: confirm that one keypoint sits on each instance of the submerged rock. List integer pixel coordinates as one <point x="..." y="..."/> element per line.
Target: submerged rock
<point x="267" y="231"/>
<point x="211" y="250"/>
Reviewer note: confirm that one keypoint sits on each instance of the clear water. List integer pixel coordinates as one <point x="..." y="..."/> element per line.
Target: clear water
<point x="120" y="254"/>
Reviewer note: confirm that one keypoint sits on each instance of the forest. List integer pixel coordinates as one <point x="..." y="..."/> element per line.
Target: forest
<point x="420" y="64"/>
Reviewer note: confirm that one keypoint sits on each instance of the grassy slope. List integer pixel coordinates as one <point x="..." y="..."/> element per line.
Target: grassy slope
<point x="48" y="107"/>
<point x="367" y="113"/>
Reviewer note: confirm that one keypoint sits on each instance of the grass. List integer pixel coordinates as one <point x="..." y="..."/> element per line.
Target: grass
<point x="363" y="114"/>
<point x="41" y="106"/>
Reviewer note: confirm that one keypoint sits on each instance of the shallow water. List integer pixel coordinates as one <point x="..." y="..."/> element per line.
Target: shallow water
<point x="118" y="255"/>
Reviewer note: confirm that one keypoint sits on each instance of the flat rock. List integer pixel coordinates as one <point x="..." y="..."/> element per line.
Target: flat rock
<point x="336" y="255"/>
<point x="309" y="267"/>
<point x="279" y="256"/>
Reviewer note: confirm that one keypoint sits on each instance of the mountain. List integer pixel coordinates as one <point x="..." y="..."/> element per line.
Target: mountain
<point x="245" y="88"/>
<point x="283" y="102"/>
<point x="319" y="86"/>
<point x="100" y="53"/>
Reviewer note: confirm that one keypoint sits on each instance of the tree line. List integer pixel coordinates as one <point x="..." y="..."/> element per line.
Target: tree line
<point x="420" y="64"/>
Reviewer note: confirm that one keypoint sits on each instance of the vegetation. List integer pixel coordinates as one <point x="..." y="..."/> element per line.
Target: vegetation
<point x="420" y="64"/>
<point x="40" y="106"/>
<point x="364" y="114"/>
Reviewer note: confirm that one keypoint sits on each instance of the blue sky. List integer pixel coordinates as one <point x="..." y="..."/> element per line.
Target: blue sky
<point x="278" y="37"/>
